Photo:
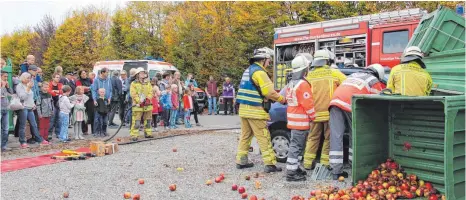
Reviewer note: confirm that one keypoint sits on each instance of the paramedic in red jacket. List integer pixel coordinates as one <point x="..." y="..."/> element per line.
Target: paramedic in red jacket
<point x="340" y="111"/>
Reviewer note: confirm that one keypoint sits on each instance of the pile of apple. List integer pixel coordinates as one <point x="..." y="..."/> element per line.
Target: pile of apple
<point x="388" y="181"/>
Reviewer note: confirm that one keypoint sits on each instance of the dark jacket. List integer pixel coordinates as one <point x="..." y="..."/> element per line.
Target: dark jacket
<point x="87" y="83"/>
<point x="117" y="88"/>
<point x="24" y="67"/>
<point x="72" y="84"/>
<point x="102" y="106"/>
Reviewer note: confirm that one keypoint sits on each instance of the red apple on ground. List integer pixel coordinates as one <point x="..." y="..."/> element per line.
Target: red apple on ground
<point x="136" y="197"/>
<point x="241" y="190"/>
<point x="428" y="185"/>
<point x="433" y="197"/>
<point x="66" y="195"/>
<point x="172" y="187"/>
<point x="141" y="181"/>
<point x="244" y="195"/>
<point x="253" y="197"/>
<point x="118" y="139"/>
<point x="313" y="193"/>
<point x="218" y="179"/>
<point x="174" y="150"/>
<point x="234" y="187"/>
<point x="404" y="186"/>
<point x="127" y="195"/>
<point x="413" y="189"/>
<point x="247" y="178"/>
<point x="412" y="177"/>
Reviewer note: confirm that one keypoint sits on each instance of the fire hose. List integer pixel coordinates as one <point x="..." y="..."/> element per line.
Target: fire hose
<point x="150" y="139"/>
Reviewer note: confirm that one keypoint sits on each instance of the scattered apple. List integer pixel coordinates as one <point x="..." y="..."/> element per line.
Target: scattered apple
<point x="127" y="195"/>
<point x="244" y="195"/>
<point x="241" y="190"/>
<point x="413" y="189"/>
<point x="253" y="197"/>
<point x="385" y="185"/>
<point x="247" y="177"/>
<point x="141" y="181"/>
<point x="256" y="175"/>
<point x="421" y="183"/>
<point x="66" y="195"/>
<point x="313" y="193"/>
<point x="412" y="177"/>
<point x="172" y="187"/>
<point x="257" y="184"/>
<point x="180" y="169"/>
<point x="136" y="197"/>
<point x="234" y="187"/>
<point x="420" y="193"/>
<point x="118" y="139"/>
<point x="218" y="179"/>
<point x="433" y="197"/>
<point x="174" y="150"/>
<point x="208" y="182"/>
<point x="400" y="175"/>
<point x="341" y="178"/>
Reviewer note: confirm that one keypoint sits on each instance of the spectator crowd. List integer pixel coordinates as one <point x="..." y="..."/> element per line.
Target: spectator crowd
<point x="47" y="108"/>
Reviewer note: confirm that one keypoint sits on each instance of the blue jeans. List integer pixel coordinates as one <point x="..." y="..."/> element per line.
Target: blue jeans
<point x="4" y="123"/>
<point x="212" y="105"/>
<point x="64" y="119"/>
<point x="28" y="114"/>
<point x="180" y="111"/>
<point x="187" y="119"/>
<point x="173" y="118"/>
<point x="55" y="122"/>
<point x="100" y="123"/>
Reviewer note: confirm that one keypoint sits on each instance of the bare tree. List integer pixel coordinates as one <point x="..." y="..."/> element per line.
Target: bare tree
<point x="44" y="30"/>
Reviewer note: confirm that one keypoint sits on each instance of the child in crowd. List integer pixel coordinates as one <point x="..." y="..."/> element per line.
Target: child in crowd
<point x="45" y="110"/>
<point x="155" y="106"/>
<point x="175" y="106"/>
<point x="101" y="117"/>
<point x="167" y="105"/>
<point x="188" y="106"/>
<point x="65" y="109"/>
<point x="79" y="112"/>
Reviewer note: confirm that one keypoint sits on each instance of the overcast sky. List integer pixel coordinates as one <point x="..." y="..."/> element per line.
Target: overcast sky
<point x="18" y="14"/>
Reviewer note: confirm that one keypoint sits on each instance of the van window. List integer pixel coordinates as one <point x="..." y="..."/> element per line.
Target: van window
<point x="129" y="65"/>
<point x="395" y="41"/>
<point x="152" y="73"/>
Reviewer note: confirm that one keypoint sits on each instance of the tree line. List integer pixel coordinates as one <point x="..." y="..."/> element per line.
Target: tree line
<point x="204" y="38"/>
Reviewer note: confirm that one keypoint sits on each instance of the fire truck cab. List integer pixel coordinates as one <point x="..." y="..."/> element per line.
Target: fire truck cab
<point x="362" y="40"/>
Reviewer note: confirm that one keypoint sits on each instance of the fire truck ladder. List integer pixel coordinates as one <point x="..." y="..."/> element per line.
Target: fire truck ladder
<point x="374" y="19"/>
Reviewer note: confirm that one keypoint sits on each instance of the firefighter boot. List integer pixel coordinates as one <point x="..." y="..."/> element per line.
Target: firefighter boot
<point x="272" y="168"/>
<point x="295" y="175"/>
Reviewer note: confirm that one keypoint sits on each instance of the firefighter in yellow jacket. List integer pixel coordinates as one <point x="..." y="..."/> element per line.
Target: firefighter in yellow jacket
<point x="324" y="81"/>
<point x="410" y="78"/>
<point x="141" y="94"/>
<point x="254" y="95"/>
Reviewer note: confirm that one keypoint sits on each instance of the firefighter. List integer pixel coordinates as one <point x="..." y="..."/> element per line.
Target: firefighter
<point x="141" y="95"/>
<point x="410" y="78"/>
<point x="300" y="112"/>
<point x="254" y="96"/>
<point x="368" y="82"/>
<point x="324" y="81"/>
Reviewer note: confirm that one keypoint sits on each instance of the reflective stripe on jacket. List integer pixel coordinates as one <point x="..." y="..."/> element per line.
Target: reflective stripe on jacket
<point x="140" y="92"/>
<point x="324" y="82"/>
<point x="410" y="79"/>
<point x="300" y="110"/>
<point x="357" y="83"/>
<point x="248" y="97"/>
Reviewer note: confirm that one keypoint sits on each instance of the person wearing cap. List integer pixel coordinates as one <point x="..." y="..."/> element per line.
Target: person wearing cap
<point x="410" y="78"/>
<point x="254" y="96"/>
<point x="101" y="82"/>
<point x="324" y="81"/>
<point x="300" y="112"/>
<point x="366" y="82"/>
<point x="141" y="95"/>
<point x="30" y="60"/>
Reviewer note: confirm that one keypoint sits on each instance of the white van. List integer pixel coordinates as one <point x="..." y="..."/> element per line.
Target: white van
<point x="152" y="66"/>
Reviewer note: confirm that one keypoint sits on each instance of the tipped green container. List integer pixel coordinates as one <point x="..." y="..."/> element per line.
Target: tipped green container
<point x="433" y="125"/>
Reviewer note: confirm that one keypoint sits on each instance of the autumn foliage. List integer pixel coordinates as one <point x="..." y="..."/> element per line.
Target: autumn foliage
<point x="204" y="38"/>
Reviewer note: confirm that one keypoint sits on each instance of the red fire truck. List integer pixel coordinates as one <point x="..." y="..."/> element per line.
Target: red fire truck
<point x="362" y="40"/>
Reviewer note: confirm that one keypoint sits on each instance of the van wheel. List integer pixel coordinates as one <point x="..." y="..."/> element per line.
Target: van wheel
<point x="280" y="144"/>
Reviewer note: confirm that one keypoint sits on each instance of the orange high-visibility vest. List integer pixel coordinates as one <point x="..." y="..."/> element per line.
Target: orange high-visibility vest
<point x="300" y="110"/>
<point x="357" y="83"/>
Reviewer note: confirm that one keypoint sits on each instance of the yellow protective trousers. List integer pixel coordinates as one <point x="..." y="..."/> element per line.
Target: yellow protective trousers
<point x="313" y="141"/>
<point x="257" y="128"/>
<point x="136" y="123"/>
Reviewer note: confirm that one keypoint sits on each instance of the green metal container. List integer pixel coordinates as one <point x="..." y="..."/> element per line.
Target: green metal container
<point x="8" y="68"/>
<point x="441" y="30"/>
<point x="433" y="125"/>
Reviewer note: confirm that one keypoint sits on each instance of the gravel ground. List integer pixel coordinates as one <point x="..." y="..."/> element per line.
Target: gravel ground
<point x="203" y="157"/>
